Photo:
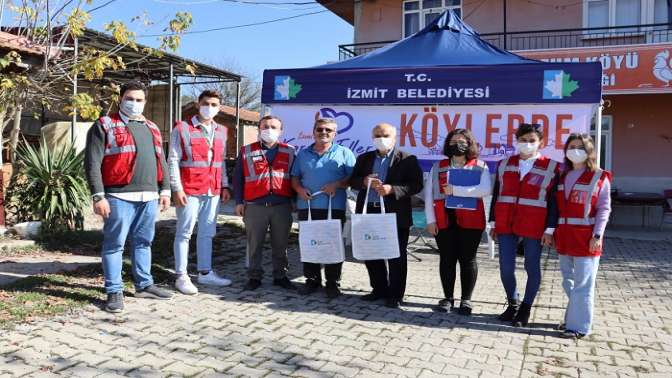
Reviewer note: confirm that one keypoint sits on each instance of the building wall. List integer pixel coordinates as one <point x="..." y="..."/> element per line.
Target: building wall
<point x="381" y="20"/>
<point x="641" y="141"/>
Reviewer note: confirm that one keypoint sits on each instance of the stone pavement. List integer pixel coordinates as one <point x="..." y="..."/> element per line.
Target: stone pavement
<point x="270" y="332"/>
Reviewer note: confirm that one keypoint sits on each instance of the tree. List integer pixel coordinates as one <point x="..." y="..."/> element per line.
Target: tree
<point x="250" y="87"/>
<point x="52" y="26"/>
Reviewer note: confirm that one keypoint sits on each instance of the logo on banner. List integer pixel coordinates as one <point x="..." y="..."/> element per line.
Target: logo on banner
<point x="344" y="120"/>
<point x="286" y="88"/>
<point x="558" y="85"/>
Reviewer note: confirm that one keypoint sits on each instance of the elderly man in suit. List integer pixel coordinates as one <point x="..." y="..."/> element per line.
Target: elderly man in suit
<point x="396" y="176"/>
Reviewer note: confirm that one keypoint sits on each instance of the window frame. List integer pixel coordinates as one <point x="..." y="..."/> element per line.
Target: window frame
<point x="646" y="13"/>
<point x="421" y="13"/>
<point x="608" y="133"/>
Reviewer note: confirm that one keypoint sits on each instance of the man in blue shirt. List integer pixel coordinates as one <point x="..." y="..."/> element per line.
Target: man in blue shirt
<point x="322" y="167"/>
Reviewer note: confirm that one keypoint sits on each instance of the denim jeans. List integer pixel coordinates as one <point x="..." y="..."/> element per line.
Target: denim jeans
<point x="204" y="210"/>
<point x="578" y="280"/>
<point x="135" y="220"/>
<point x="508" y="244"/>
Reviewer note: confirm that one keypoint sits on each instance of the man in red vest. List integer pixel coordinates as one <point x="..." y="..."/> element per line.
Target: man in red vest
<point x="263" y="194"/>
<point x="127" y="172"/>
<point x="198" y="180"/>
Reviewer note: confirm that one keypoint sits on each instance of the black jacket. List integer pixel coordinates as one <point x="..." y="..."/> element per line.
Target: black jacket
<point x="405" y="177"/>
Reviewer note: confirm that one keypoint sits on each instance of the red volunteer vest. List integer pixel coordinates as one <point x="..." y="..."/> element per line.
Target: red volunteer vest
<point x="262" y="178"/>
<point x="473" y="219"/>
<point x="198" y="175"/>
<point x="577" y="213"/>
<point x="521" y="206"/>
<point x="119" y="156"/>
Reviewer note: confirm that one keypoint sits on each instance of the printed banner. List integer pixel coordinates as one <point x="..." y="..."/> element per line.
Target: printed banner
<point x="533" y="83"/>
<point x="421" y="130"/>
<point x="625" y="69"/>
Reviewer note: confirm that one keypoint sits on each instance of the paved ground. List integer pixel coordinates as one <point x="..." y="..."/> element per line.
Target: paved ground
<point x="271" y="332"/>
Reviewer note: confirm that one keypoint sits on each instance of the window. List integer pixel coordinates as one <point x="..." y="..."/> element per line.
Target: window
<point x="605" y="145"/>
<point x="420" y="13"/>
<point x="609" y="13"/>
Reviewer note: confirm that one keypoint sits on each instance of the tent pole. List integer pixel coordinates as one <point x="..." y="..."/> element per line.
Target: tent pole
<point x="505" y="43"/>
<point x="171" y="105"/>
<point x="74" y="94"/>
<point x="598" y="133"/>
<point x="240" y="132"/>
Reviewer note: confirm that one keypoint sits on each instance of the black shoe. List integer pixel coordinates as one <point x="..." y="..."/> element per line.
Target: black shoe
<point x="568" y="334"/>
<point x="309" y="287"/>
<point x="115" y="302"/>
<point x="372" y="296"/>
<point x="153" y="292"/>
<point x="392" y="303"/>
<point x="445" y="305"/>
<point x="332" y="291"/>
<point x="252" y="284"/>
<point x="522" y="316"/>
<point x="465" y="308"/>
<point x="284" y="283"/>
<point x="510" y="311"/>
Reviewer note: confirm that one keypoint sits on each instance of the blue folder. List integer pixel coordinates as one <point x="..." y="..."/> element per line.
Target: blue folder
<point x="463" y="177"/>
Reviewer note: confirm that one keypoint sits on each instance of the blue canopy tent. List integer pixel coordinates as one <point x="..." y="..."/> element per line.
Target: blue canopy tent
<point x="445" y="64"/>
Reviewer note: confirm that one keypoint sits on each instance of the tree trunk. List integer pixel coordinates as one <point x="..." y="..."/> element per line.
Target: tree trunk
<point x="14" y="134"/>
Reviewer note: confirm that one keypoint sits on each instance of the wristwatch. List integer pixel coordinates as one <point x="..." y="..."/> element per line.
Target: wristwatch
<point x="597" y="236"/>
<point x="98" y="198"/>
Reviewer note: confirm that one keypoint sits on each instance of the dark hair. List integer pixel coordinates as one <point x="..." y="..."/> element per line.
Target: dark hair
<point x="472" y="151"/>
<point x="526" y="128"/>
<point x="133" y="85"/>
<point x="267" y="117"/>
<point x="210" y="94"/>
<point x="588" y="146"/>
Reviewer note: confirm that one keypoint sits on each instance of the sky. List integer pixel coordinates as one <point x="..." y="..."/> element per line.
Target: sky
<point x="300" y="42"/>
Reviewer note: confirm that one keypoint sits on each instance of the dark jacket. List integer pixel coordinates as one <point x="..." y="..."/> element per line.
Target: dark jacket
<point x="405" y="177"/>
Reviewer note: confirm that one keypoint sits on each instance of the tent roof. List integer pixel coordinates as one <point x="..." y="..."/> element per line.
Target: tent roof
<point x="447" y="41"/>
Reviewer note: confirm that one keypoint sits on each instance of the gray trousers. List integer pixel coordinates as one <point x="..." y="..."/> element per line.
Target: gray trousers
<point x="258" y="219"/>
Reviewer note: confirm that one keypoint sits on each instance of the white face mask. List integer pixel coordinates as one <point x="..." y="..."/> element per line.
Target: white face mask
<point x="208" y="112"/>
<point x="269" y="135"/>
<point x="577" y="155"/>
<point x="132" y="109"/>
<point x="383" y="144"/>
<point x="527" y="148"/>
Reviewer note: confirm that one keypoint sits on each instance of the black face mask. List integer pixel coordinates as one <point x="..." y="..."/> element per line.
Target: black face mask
<point x="458" y="149"/>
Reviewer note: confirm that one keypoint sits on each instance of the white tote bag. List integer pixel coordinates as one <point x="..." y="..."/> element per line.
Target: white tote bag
<point x="321" y="241"/>
<point x="374" y="236"/>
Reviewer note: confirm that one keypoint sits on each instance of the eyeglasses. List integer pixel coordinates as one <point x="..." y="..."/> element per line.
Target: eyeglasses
<point x="324" y="130"/>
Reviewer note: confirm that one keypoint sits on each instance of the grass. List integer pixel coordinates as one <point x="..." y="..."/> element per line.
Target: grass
<point x="42" y="296"/>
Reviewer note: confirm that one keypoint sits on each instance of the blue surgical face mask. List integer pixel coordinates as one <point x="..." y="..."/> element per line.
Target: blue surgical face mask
<point x="132" y="109"/>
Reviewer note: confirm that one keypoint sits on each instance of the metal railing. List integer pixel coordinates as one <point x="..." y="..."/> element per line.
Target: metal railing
<point x="550" y="39"/>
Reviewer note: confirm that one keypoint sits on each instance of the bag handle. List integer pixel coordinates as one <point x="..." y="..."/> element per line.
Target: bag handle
<point x="366" y="200"/>
<point x="310" y="218"/>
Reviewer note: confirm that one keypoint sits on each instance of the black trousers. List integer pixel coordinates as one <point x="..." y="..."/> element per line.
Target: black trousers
<point x="457" y="244"/>
<point x="312" y="271"/>
<point x="389" y="279"/>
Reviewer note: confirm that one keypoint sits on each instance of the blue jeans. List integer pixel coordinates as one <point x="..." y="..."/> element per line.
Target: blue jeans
<point x="578" y="280"/>
<point x="204" y="210"/>
<point x="136" y="219"/>
<point x="508" y="244"/>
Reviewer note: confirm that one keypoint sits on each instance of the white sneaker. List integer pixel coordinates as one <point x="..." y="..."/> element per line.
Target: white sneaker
<point x="212" y="279"/>
<point x="183" y="285"/>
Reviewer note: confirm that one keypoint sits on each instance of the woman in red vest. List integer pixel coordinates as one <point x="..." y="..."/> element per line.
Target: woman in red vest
<point x="519" y="211"/>
<point x="457" y="231"/>
<point x="584" y="204"/>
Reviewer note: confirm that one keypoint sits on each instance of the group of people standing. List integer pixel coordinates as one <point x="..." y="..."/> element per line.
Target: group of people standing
<point x="535" y="202"/>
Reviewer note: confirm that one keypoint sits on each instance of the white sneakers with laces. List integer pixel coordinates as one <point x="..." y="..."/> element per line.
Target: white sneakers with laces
<point x="212" y="279"/>
<point x="183" y="285"/>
